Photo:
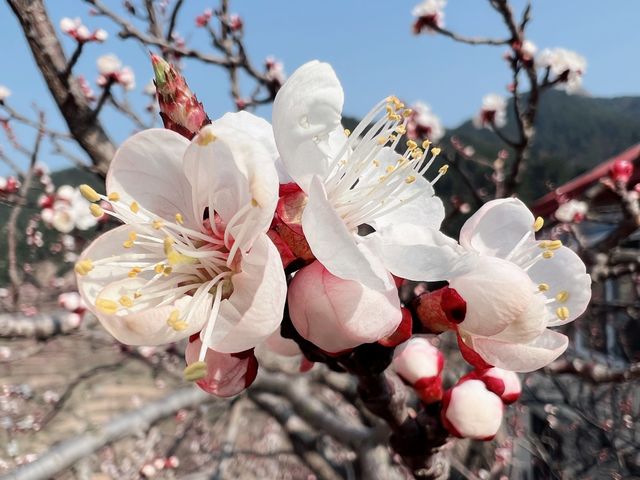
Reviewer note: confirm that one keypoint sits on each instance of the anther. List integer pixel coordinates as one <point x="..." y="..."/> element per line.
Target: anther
<point x="426" y="144"/>
<point x="347" y="132"/>
<point x="157" y="224"/>
<point x="113" y="196"/>
<point x="435" y="151"/>
<point x="194" y="372"/>
<point x="547" y="254"/>
<point x="543" y="287"/>
<point x="562" y="296"/>
<point x="83" y="267"/>
<point x="443" y="169"/>
<point x="89" y="193"/>
<point x="411" y="144"/>
<point x="562" y="313"/>
<point x="410" y="179"/>
<point x="135" y="208"/>
<point x="126" y="301"/>
<point x="96" y="210"/>
<point x="106" y="306"/>
<point x="133" y="273"/>
<point x="168" y="245"/>
<point x="538" y="224"/>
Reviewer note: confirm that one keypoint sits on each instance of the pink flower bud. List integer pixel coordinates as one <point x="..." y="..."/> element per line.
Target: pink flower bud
<point x="470" y="410"/>
<point x="420" y="364"/>
<point x="440" y="310"/>
<point x="503" y="383"/>
<point x="621" y="171"/>
<point x="204" y="17"/>
<point x="235" y="22"/>
<point x="227" y="373"/>
<point x="336" y="314"/>
<point x="172" y="462"/>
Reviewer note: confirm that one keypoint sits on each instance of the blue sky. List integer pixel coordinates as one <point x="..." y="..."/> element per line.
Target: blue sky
<point x="370" y="45"/>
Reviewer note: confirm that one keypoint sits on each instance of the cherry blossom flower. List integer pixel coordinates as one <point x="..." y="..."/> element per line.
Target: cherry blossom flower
<point x="567" y="66"/>
<point x="274" y="74"/>
<point x="503" y="383"/>
<point x="493" y="112"/>
<point x="110" y="69"/>
<point x="470" y="410"/>
<point x="356" y="180"/>
<point x="424" y="124"/>
<point x="76" y="30"/>
<point x="336" y="314"/>
<point x="4" y="93"/>
<point x="429" y="14"/>
<point x="192" y="255"/>
<point x="572" y="211"/>
<point x="204" y="17"/>
<point x="9" y="185"/>
<point x="515" y="287"/>
<point x="67" y="210"/>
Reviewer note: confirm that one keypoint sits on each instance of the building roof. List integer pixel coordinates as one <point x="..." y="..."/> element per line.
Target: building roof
<point x="548" y="204"/>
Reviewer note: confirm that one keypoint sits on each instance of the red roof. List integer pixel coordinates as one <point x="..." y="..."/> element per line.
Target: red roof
<point x="548" y="204"/>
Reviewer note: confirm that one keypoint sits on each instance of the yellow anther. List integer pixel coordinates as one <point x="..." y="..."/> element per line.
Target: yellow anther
<point x="401" y="129"/>
<point x="168" y="245"/>
<point x="176" y="258"/>
<point x="83" y="267"/>
<point x="410" y="179"/>
<point x="402" y="161"/>
<point x="127" y="244"/>
<point x="96" y="210"/>
<point x="389" y="109"/>
<point x="254" y="203"/>
<point x="194" y="372"/>
<point x="106" y="306"/>
<point x="547" y="254"/>
<point x="167" y="271"/>
<point x="157" y="224"/>
<point x="399" y="106"/>
<point x="443" y="169"/>
<point x="174" y="321"/>
<point x="407" y="112"/>
<point x="205" y="138"/>
<point x="395" y="117"/>
<point x="135" y="208"/>
<point x="435" y="151"/>
<point x="543" y="287"/>
<point x="159" y="268"/>
<point x="376" y="163"/>
<point x="89" y="193"/>
<point x="179" y="218"/>
<point x="417" y="153"/>
<point x="411" y="144"/>
<point x="390" y="169"/>
<point x="382" y="140"/>
<point x="126" y="301"/>
<point x="133" y="236"/>
<point x="562" y="313"/>
<point x="114" y="196"/>
<point x="392" y="138"/>
<point x="544" y="244"/>
<point x="137" y="294"/>
<point x="426" y="144"/>
<point x="554" y="244"/>
<point x="562" y="296"/>
<point x="133" y="273"/>
<point x="538" y="224"/>
<point x="347" y="132"/>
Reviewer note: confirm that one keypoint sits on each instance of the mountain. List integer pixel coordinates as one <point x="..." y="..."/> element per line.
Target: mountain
<point x="573" y="134"/>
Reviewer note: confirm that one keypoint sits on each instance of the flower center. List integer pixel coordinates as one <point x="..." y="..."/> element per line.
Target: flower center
<point x="367" y="177"/>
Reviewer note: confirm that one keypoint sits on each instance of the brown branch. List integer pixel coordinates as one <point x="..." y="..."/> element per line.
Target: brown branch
<point x="173" y="19"/>
<point x="469" y="40"/>
<point x="130" y="31"/>
<point x="69" y="451"/>
<point x="592" y="372"/>
<point x="51" y="61"/>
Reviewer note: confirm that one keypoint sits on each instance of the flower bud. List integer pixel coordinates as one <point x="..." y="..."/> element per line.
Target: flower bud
<point x="440" y="310"/>
<point x="227" y="374"/>
<point x="179" y="108"/>
<point x="337" y="314"/>
<point x="402" y="333"/>
<point x="503" y="383"/>
<point x="420" y="364"/>
<point x="621" y="171"/>
<point x="470" y="410"/>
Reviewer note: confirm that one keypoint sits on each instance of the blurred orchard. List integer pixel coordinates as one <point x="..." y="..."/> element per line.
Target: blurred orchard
<point x="303" y="295"/>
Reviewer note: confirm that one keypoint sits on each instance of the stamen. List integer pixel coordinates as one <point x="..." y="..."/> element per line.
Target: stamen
<point x="179" y="218"/>
<point x="89" y="193"/>
<point x="133" y="273"/>
<point x="194" y="372"/>
<point x="562" y="313"/>
<point x="174" y="321"/>
<point x="543" y="287"/>
<point x="562" y="296"/>
<point x="547" y="254"/>
<point x="126" y="301"/>
<point x="157" y="224"/>
<point x="135" y="208"/>
<point x="106" y="306"/>
<point x="83" y="267"/>
<point x="347" y="132"/>
<point x="96" y="210"/>
<point x="210" y="323"/>
<point x="113" y="197"/>
<point x="538" y="224"/>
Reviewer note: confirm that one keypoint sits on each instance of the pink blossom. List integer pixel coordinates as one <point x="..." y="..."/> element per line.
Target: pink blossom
<point x="420" y="364"/>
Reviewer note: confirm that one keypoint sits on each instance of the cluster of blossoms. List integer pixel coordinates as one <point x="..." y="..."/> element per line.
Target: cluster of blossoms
<point x="66" y="209"/>
<point x="80" y="33"/>
<point x="493" y="112"/>
<point x="9" y="185"/>
<point x="226" y="225"/>
<point x="567" y="67"/>
<point x="423" y="123"/>
<point x="75" y="307"/>
<point x="428" y="14"/>
<point x="111" y="71"/>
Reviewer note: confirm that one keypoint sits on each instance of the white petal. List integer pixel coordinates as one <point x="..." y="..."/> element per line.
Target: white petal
<point x="565" y="272"/>
<point x="519" y="357"/>
<point x="415" y="253"/>
<point x="146" y="323"/>
<point x="147" y="168"/>
<point x="474" y="411"/>
<point x="497" y="227"/>
<point x="528" y="326"/>
<point x="497" y="292"/>
<point x="333" y="245"/>
<point x="306" y="111"/>
<point x="228" y="170"/>
<point x="255" y="308"/>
